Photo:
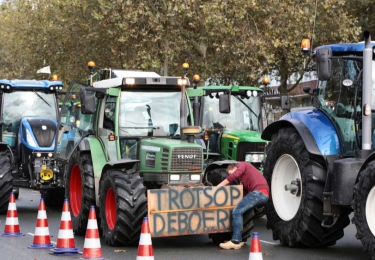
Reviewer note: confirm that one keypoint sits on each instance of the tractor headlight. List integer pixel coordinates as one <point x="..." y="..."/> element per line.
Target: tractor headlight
<point x="174" y="177"/>
<point x="195" y="177"/>
<point x="130" y="81"/>
<point x="30" y="139"/>
<point x="254" y="157"/>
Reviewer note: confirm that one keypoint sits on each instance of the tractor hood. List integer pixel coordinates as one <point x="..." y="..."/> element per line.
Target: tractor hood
<point x="164" y="155"/>
<point x="243" y="135"/>
<point x="37" y="133"/>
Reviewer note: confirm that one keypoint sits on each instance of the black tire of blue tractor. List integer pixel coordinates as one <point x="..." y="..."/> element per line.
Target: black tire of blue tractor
<point x="53" y="198"/>
<point x="304" y="229"/>
<point x="364" y="185"/>
<point x="131" y="203"/>
<point x="84" y="162"/>
<point x="6" y="180"/>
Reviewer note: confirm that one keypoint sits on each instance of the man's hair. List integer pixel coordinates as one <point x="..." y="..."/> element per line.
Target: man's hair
<point x="231" y="166"/>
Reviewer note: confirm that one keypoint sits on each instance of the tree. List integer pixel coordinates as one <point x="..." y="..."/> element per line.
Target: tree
<point x="233" y="41"/>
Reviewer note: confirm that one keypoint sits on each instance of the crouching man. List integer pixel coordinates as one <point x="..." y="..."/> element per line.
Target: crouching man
<point x="256" y="193"/>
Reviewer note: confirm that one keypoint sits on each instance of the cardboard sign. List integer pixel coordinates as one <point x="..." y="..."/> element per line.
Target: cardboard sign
<point x="191" y="211"/>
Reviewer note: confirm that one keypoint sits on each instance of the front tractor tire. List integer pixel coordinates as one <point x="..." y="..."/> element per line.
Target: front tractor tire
<point x="363" y="205"/>
<point x="123" y="204"/>
<point x="80" y="190"/>
<point x="6" y="179"/>
<point x="295" y="215"/>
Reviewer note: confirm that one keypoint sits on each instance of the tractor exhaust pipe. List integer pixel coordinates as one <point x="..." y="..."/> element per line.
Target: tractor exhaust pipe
<point x="366" y="93"/>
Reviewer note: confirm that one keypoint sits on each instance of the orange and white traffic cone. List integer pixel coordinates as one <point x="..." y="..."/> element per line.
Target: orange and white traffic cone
<point x="145" y="250"/>
<point x="65" y="240"/>
<point x="255" y="249"/>
<point x="42" y="238"/>
<point x="12" y="227"/>
<point x="92" y="248"/>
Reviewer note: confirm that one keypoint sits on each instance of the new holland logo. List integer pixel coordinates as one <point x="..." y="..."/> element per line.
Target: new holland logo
<point x="186" y="156"/>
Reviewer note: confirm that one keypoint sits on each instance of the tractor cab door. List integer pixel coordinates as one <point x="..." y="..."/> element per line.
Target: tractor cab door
<point x="106" y="125"/>
<point x="76" y="123"/>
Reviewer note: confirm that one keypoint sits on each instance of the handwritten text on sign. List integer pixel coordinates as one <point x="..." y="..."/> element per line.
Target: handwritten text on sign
<point x="188" y="211"/>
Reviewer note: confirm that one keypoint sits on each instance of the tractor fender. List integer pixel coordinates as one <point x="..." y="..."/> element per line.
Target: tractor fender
<point x="122" y="164"/>
<point x="301" y="128"/>
<point x="94" y="147"/>
<point x="315" y="127"/>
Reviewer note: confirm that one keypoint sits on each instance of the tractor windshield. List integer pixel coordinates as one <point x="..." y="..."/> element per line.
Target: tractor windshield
<point x="149" y="114"/>
<point x="245" y="113"/>
<point x="18" y="104"/>
<point x="341" y="98"/>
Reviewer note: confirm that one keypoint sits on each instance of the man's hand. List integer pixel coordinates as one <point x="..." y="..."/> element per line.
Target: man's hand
<point x="223" y="183"/>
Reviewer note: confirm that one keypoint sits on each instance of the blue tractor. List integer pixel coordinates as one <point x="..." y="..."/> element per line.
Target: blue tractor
<point x="29" y="111"/>
<point x="320" y="164"/>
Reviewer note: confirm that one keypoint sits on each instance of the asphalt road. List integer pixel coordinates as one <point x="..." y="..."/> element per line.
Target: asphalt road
<point x="172" y="248"/>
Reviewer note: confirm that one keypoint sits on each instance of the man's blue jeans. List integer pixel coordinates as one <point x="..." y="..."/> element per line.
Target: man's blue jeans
<point x="251" y="200"/>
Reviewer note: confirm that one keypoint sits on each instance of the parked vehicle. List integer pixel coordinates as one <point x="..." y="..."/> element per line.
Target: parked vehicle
<point x="320" y="164"/>
<point x="29" y="114"/>
<point x="127" y="145"/>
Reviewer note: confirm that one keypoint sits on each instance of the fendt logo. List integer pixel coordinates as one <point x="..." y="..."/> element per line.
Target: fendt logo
<point x="185" y="156"/>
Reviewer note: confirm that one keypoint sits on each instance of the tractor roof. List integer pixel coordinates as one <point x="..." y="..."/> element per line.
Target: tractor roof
<point x="118" y="75"/>
<point x="30" y="84"/>
<point x="345" y="48"/>
<point x="121" y="77"/>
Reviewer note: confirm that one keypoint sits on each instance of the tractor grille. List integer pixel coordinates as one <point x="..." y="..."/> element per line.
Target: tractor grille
<point x="186" y="159"/>
<point x="244" y="147"/>
<point x="43" y="137"/>
<point x="164" y="160"/>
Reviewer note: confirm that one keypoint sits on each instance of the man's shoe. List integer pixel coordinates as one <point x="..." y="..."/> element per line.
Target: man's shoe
<point x="230" y="245"/>
<point x="241" y="243"/>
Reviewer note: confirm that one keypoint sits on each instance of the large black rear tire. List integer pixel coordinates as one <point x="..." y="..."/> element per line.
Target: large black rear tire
<point x="363" y="206"/>
<point x="123" y="204"/>
<point x="295" y="219"/>
<point x="80" y="190"/>
<point x="6" y="180"/>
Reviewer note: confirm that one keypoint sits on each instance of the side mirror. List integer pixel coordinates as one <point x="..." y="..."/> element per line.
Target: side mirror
<point x="224" y="103"/>
<point x="323" y="63"/>
<point x="306" y="90"/>
<point x="173" y="128"/>
<point x="64" y="129"/>
<point x="87" y="102"/>
<point x="285" y="103"/>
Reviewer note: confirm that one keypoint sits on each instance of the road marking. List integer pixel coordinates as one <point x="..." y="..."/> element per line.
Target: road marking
<point x="267" y="242"/>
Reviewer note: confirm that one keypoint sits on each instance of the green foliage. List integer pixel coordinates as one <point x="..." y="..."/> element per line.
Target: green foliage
<point x="227" y="40"/>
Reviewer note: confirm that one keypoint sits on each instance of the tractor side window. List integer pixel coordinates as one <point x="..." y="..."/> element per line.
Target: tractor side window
<point x="109" y="114"/>
<point x="129" y="148"/>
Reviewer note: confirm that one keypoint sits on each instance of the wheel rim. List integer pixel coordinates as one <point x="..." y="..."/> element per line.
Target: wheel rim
<point x="75" y="190"/>
<point x="110" y="208"/>
<point x="370" y="214"/>
<point x="285" y="173"/>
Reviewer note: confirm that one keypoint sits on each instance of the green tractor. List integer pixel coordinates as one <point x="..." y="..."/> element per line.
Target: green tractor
<point x="231" y="132"/>
<point x="127" y="145"/>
